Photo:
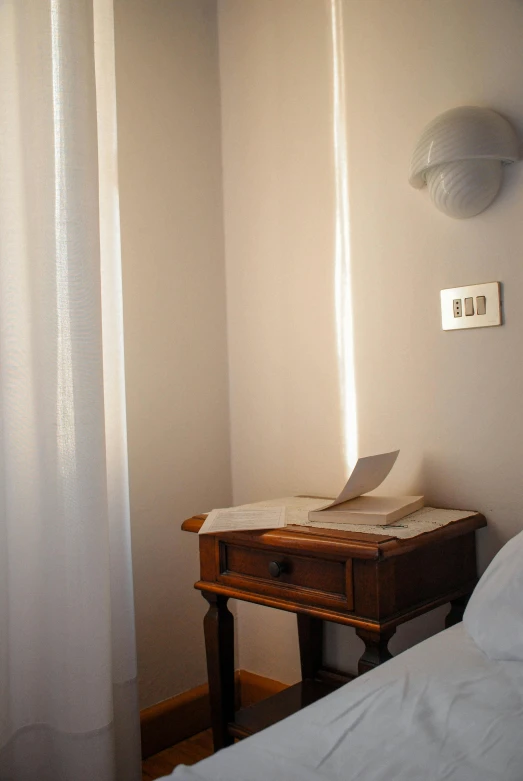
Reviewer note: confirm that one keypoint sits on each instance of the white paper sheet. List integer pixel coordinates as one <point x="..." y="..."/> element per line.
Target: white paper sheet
<point x="296" y="507"/>
<point x="367" y="475"/>
<point x="237" y="519"/>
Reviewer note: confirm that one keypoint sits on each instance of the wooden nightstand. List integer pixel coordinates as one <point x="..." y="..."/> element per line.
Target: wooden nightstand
<point x="372" y="582"/>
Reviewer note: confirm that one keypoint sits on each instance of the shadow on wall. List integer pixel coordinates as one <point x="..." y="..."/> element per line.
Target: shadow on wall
<point x="444" y="486"/>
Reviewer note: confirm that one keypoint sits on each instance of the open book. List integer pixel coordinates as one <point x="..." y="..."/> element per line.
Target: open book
<point x="352" y="506"/>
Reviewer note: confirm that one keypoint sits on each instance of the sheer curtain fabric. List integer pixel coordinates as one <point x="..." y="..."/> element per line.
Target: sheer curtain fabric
<point x="68" y="705"/>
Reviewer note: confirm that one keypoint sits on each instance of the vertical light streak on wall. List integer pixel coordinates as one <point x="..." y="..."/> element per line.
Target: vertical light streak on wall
<point x="65" y="391"/>
<point x="343" y="281"/>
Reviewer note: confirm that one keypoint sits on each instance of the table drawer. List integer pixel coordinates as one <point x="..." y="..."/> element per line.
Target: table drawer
<point x="308" y="578"/>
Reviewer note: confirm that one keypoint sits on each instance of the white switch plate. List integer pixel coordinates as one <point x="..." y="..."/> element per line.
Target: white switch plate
<point x="492" y="293"/>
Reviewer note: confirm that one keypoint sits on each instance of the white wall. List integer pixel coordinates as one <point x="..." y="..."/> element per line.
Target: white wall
<point x="450" y="401"/>
<point x="174" y="309"/>
<point x="286" y="430"/>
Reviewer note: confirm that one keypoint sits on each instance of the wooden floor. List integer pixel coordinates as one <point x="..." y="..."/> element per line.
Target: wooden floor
<point x="186" y="753"/>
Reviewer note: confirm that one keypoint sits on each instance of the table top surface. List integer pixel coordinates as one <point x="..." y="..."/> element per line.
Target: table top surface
<point x="361" y="544"/>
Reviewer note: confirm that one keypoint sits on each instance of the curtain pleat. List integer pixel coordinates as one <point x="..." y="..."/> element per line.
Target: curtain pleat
<point x="68" y="704"/>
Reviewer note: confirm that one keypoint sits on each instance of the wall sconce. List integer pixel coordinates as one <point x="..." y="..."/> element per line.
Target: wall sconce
<point x="459" y="156"/>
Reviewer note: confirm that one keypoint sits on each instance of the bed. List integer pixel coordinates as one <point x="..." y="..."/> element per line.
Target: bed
<point x="451" y="708"/>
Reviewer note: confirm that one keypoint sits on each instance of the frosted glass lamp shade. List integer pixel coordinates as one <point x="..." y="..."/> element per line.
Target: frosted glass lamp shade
<point x="460" y="155"/>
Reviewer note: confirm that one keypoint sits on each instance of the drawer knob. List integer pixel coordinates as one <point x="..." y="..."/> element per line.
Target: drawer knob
<point x="277" y="568"/>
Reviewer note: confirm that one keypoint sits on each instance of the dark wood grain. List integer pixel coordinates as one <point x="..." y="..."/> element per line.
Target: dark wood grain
<point x="255" y="688"/>
<point x="307" y="579"/>
<point x="183" y="715"/>
<point x="209" y="557"/>
<point x="376" y="648"/>
<point x="302" y="539"/>
<point x="305" y="571"/>
<point x="310" y="638"/>
<point x="174" y="720"/>
<point x="248" y="721"/>
<point x="187" y="752"/>
<point x="373" y="583"/>
<point x="363" y="544"/>
<point x="457" y="608"/>
<point x="219" y="648"/>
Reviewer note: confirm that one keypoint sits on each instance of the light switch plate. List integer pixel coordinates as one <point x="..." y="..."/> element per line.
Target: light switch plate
<point x="492" y="316"/>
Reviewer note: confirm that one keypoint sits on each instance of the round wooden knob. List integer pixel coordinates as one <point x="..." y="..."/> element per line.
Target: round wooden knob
<point x="277" y="568"/>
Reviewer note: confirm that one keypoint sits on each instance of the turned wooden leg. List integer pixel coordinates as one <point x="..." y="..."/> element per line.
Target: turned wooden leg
<point x="376" y="650"/>
<point x="457" y="608"/>
<point x="310" y="636"/>
<point x="218" y="626"/>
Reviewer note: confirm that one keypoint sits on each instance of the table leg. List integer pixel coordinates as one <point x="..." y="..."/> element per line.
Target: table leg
<point x="376" y="650"/>
<point x="457" y="608"/>
<point x="310" y="637"/>
<point x="218" y="626"/>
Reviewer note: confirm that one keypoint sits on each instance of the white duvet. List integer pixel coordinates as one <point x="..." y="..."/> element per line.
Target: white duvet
<point x="440" y="711"/>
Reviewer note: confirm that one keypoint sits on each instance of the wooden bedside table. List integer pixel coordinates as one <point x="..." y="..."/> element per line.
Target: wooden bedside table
<point x="373" y="582"/>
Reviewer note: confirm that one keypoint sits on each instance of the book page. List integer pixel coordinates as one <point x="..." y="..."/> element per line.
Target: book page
<point x="367" y="475"/>
<point x="232" y="519"/>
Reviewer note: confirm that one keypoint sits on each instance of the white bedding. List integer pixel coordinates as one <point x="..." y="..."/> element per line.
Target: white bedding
<point x="440" y="711"/>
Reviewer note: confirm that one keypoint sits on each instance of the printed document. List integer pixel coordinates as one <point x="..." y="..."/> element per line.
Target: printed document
<point x="233" y="519"/>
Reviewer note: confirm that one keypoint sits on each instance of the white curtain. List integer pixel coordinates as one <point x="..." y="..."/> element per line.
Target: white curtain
<point x="68" y="705"/>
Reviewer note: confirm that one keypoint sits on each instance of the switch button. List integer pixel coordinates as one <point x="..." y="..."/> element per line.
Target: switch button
<point x="469" y="307"/>
<point x="481" y="305"/>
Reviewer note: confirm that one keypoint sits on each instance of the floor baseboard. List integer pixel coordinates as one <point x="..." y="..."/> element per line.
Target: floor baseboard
<point x="180" y="717"/>
<point x="254" y="688"/>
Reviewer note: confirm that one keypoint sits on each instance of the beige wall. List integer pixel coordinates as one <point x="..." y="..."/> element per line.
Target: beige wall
<point x="286" y="431"/>
<point x="174" y="308"/>
<point x="450" y="401"/>
<point x="453" y="400"/>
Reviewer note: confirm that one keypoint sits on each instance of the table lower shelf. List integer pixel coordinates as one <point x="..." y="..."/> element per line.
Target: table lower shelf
<point x="263" y="714"/>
